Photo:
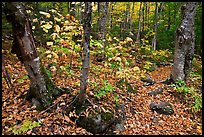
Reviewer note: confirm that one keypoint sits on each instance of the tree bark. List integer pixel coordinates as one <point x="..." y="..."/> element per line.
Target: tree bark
<point x="143" y="18"/>
<point x="157" y="19"/>
<point x="86" y="51"/>
<point x="139" y="25"/>
<point x="155" y="27"/>
<point x="185" y="43"/>
<point x="25" y="49"/>
<point x="110" y="16"/>
<point x="133" y="6"/>
<point x="128" y="17"/>
<point x="102" y="32"/>
<point x="68" y="7"/>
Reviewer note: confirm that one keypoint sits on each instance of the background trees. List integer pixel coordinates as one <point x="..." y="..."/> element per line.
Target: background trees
<point x="68" y="46"/>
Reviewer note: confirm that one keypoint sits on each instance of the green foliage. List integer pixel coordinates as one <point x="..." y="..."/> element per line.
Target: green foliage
<point x="24" y="127"/>
<point x="149" y="66"/>
<point x="181" y="87"/>
<point x="115" y="98"/>
<point x="104" y="90"/>
<point x="55" y="27"/>
<point x="48" y="72"/>
<point x="197" y="105"/>
<point x="23" y="78"/>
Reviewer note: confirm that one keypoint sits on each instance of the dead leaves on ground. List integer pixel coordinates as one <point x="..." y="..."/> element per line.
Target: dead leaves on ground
<point x="139" y="118"/>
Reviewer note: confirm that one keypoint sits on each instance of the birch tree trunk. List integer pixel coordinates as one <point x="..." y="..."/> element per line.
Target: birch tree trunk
<point x="185" y="43"/>
<point x="103" y="21"/>
<point x="128" y="17"/>
<point x="139" y="25"/>
<point x="42" y="90"/>
<point x="143" y="18"/>
<point x="133" y="6"/>
<point x="155" y="27"/>
<point x="86" y="52"/>
<point x="157" y="21"/>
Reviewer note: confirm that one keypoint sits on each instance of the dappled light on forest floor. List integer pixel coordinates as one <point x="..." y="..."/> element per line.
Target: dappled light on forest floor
<point x="139" y="119"/>
<point x="101" y="68"/>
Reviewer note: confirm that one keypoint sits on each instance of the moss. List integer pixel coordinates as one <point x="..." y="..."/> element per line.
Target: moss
<point x="107" y="116"/>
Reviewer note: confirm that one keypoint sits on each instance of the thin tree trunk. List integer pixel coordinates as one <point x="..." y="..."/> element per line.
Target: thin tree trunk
<point x="128" y="17"/>
<point x="110" y="16"/>
<point x="124" y="23"/>
<point x="86" y="51"/>
<point x="99" y="9"/>
<point x="103" y="26"/>
<point x="139" y="24"/>
<point x="148" y="20"/>
<point x="185" y="43"/>
<point x="155" y="26"/>
<point x="133" y="6"/>
<point x="25" y="49"/>
<point x="68" y="7"/>
<point x="143" y="18"/>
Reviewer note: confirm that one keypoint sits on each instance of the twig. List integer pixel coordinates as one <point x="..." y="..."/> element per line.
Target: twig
<point x="49" y="107"/>
<point x="72" y="101"/>
<point x="125" y="96"/>
<point x="90" y="102"/>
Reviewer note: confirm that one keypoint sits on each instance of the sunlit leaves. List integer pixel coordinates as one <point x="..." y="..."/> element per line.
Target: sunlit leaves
<point x="44" y="13"/>
<point x="129" y="73"/>
<point x="57" y="28"/>
<point x="47" y="26"/>
<point x="49" y="43"/>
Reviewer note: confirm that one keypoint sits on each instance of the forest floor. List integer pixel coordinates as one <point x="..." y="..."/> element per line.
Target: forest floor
<point x="140" y="120"/>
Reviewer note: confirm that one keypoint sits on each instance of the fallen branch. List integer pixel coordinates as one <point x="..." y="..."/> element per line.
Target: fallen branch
<point x="49" y="107"/>
<point x="125" y="96"/>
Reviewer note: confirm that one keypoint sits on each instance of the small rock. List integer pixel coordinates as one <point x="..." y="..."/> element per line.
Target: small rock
<point x="162" y="108"/>
<point x="147" y="79"/>
<point x="119" y="127"/>
<point x="155" y="92"/>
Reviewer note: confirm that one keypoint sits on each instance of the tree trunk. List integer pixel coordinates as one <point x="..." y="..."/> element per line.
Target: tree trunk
<point x="133" y="6"/>
<point x="86" y="51"/>
<point x="99" y="9"/>
<point x="110" y="16"/>
<point x="155" y="27"/>
<point x="25" y="49"/>
<point x="148" y="9"/>
<point x="157" y="19"/>
<point x="139" y="25"/>
<point x="185" y="43"/>
<point x="128" y="17"/>
<point x="68" y="7"/>
<point x="102" y="32"/>
<point x="143" y="19"/>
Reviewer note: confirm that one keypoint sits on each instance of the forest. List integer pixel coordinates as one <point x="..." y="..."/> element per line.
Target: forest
<point x="101" y="68"/>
